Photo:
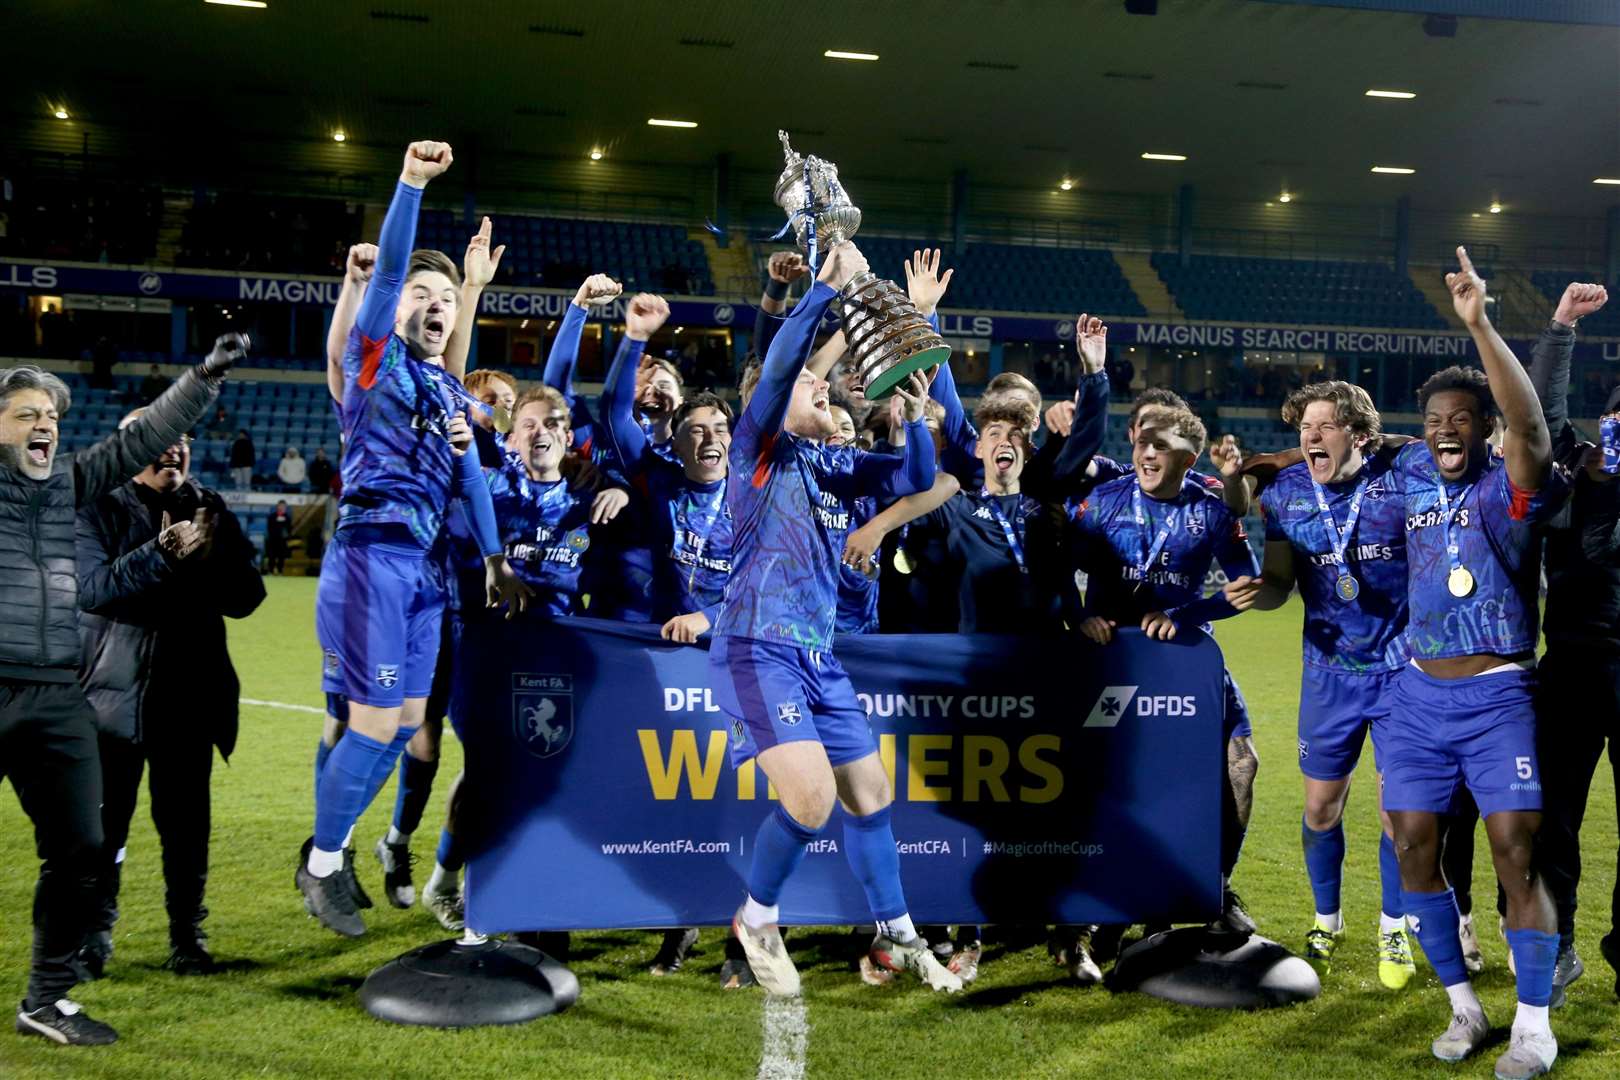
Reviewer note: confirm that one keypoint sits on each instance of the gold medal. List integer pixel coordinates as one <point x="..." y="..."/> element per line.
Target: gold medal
<point x="502" y="417"/>
<point x="902" y="561"/>
<point x="1460" y="582"/>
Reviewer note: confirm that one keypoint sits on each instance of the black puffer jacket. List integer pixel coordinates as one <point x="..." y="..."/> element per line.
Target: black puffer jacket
<point x="39" y="589"/>
<point x="153" y="628"/>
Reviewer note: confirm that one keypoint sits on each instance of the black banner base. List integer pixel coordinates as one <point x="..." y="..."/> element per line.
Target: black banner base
<point x="452" y="984"/>
<point x="1215" y="970"/>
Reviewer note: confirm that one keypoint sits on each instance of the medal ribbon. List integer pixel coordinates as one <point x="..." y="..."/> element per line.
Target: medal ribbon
<point x="703" y="537"/>
<point x="1452" y="548"/>
<point x="1340" y="538"/>
<point x="1142" y="524"/>
<point x="1014" y="541"/>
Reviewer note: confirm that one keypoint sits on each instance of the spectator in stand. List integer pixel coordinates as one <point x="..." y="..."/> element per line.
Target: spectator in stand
<point x="102" y="359"/>
<point x="292" y="470"/>
<point x="154" y="384"/>
<point x="321" y="472"/>
<point x="243" y="458"/>
<point x="221" y="423"/>
<point x="277" y="531"/>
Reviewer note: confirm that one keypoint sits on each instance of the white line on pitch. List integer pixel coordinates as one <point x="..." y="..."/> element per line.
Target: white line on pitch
<point x="283" y="705"/>
<point x="787" y="1030"/>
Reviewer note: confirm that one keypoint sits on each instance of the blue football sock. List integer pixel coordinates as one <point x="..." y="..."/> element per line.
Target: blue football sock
<point x="385" y="767"/>
<point x="449" y="854"/>
<point x="869" y="848"/>
<point x="1324" y="864"/>
<point x="1535" y="954"/>
<point x="1437" y="923"/>
<point x="415" y="786"/>
<point x="1389" y="877"/>
<point x="322" y="752"/>
<point x="779" y="846"/>
<point x="345" y="787"/>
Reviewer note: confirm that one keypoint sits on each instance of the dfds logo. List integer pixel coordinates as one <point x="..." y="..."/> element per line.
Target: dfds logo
<point x="1114" y="703"/>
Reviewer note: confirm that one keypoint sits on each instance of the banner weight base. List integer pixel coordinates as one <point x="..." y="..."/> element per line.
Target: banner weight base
<point x="1215" y="970"/>
<point x="453" y="984"/>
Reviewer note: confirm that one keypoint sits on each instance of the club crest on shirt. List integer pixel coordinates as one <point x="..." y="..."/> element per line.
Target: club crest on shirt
<point x="1195" y="524"/>
<point x="543" y="712"/>
<point x="387" y="676"/>
<point x="788" y="713"/>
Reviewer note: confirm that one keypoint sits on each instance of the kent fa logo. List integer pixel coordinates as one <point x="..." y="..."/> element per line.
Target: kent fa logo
<point x="1110" y="706"/>
<point x="543" y="712"/>
<point x="387" y="675"/>
<point x="788" y="713"/>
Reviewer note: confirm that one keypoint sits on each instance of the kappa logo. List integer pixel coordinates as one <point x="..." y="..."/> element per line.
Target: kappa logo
<point x="983" y="512"/>
<point x="788" y="713"/>
<point x="387" y="676"/>
<point x="1110" y="706"/>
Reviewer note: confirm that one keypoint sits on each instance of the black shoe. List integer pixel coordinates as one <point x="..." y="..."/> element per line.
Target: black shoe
<point x="672" y="953"/>
<point x="735" y="974"/>
<point x="1610" y="948"/>
<point x="1234" y="919"/>
<point x="66" y="1023"/>
<point x="94" y="954"/>
<point x="330" y="899"/>
<point x="396" y="860"/>
<point x="191" y="958"/>
<point x="361" y="900"/>
<point x="554" y="943"/>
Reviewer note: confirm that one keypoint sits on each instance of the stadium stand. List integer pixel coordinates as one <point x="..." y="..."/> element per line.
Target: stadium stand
<point x="1014" y="277"/>
<point x="82" y="220"/>
<point x="227" y="231"/>
<point x="560" y="252"/>
<point x="1295" y="292"/>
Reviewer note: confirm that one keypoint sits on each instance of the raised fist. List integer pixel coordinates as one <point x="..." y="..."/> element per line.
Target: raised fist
<point x="1580" y="299"/>
<point x="644" y="315"/>
<point x="229" y="350"/>
<point x="361" y="262"/>
<point x="424" y="161"/>
<point x="843" y="263"/>
<point x="478" y="266"/>
<point x="786" y="266"/>
<point x="597" y="289"/>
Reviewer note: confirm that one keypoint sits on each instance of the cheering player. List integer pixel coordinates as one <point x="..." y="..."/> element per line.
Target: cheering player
<point x="1146" y="540"/>
<point x="379" y="602"/>
<point x="1461" y="712"/>
<point x="791" y="704"/>
<point x="564" y="356"/>
<point x="1336" y="526"/>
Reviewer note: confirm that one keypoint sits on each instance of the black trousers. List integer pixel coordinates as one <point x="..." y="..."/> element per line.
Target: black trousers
<point x="1577" y="712"/>
<point x="180" y="765"/>
<point x="48" y="752"/>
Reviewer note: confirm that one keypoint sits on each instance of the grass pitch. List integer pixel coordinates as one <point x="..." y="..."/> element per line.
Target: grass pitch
<point x="287" y="1007"/>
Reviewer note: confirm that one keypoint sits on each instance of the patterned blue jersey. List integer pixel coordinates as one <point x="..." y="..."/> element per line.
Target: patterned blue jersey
<point x="1367" y="633"/>
<point x="692" y="531"/>
<point x="789" y="501"/>
<point x="857" y="593"/>
<point x="1494" y="527"/>
<point x="397" y="465"/>
<point x="545" y="533"/>
<point x="1198" y="529"/>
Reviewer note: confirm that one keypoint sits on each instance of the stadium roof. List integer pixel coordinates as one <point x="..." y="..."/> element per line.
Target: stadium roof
<point x="1259" y="95"/>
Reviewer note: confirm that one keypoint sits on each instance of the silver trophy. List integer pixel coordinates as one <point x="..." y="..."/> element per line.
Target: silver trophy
<point x="883" y="330"/>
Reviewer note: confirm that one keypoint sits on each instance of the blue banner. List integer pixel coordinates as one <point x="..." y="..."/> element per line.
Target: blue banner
<point x="1036" y="780"/>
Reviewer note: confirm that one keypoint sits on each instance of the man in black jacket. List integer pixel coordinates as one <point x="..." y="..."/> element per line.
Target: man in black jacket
<point x="47" y="731"/>
<point x="162" y="563"/>
<point x="1578" y="699"/>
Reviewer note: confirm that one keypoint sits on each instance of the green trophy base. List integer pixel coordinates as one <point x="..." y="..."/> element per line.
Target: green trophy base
<point x="882" y="385"/>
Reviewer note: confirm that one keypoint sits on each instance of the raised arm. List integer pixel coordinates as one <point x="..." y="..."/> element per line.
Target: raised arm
<point x="1526" y="445"/>
<point x="642" y="317"/>
<point x="478" y="268"/>
<point x="782" y="269"/>
<point x="1550" y="358"/>
<point x="564" y="355"/>
<point x="1236" y="489"/>
<point x="176" y="411"/>
<point x="891" y="476"/>
<point x="863" y="542"/>
<point x="926" y="287"/>
<point x="356" y="274"/>
<point x="423" y="161"/>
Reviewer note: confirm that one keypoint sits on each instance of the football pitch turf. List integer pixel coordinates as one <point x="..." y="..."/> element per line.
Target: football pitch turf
<point x="287" y="1007"/>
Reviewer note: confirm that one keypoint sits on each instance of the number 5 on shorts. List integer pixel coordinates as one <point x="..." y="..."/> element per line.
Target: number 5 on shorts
<point x="1522" y="766"/>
